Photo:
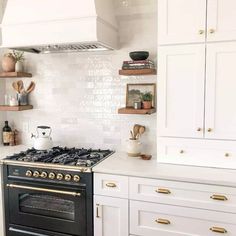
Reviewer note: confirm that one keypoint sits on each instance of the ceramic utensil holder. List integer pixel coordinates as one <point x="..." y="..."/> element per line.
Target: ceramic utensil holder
<point x="134" y="148"/>
<point x="23" y="99"/>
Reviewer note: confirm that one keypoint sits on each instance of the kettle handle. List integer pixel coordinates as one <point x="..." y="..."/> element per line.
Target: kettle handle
<point x="44" y="127"/>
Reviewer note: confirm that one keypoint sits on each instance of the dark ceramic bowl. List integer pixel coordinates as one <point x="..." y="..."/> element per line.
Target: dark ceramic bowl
<point x="139" y="55"/>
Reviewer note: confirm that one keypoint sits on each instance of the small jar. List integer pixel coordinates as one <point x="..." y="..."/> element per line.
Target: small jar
<point x="137" y="105"/>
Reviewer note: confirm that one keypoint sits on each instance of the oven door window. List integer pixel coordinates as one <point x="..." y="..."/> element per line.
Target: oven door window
<point x="47" y="205"/>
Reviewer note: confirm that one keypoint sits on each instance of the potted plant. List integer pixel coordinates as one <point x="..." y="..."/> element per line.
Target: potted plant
<point x="8" y="62"/>
<point x="147" y="100"/>
<point x="19" y="58"/>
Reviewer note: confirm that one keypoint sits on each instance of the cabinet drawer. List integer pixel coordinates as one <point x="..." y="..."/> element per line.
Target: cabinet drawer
<point x="211" y="153"/>
<point x="165" y="220"/>
<point x="211" y="197"/>
<point x="111" y="185"/>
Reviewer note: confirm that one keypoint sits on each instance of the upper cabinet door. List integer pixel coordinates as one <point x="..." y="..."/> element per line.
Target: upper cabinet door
<point x="181" y="21"/>
<point x="220" y="117"/>
<point x="221" y="23"/>
<point x="181" y="81"/>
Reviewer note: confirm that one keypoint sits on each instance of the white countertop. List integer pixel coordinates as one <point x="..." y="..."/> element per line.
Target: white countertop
<point x="121" y="164"/>
<point x="9" y="150"/>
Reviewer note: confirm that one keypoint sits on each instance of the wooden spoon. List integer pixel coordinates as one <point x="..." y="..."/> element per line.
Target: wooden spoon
<point x="20" y="85"/>
<point x="136" y="130"/>
<point x="142" y="129"/>
<point x="15" y="87"/>
<point x="30" y="88"/>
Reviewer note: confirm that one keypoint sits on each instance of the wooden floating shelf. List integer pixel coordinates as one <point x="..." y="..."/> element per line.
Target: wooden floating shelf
<point x="15" y="108"/>
<point x="133" y="111"/>
<point x="14" y="74"/>
<point x="138" y="72"/>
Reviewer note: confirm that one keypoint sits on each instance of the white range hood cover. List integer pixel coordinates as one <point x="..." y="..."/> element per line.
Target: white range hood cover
<point x="44" y="26"/>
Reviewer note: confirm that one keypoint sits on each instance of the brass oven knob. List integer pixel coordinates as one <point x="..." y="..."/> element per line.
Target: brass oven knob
<point x="59" y="176"/>
<point x="51" y="175"/>
<point x="36" y="174"/>
<point x="76" y="178"/>
<point x="44" y="175"/>
<point x="68" y="177"/>
<point x="28" y="173"/>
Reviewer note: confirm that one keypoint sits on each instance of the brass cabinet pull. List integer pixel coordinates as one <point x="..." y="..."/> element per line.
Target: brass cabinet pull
<point x="227" y="155"/>
<point x="218" y="230"/>
<point x="209" y="130"/>
<point x="181" y="151"/>
<point x="163" y="221"/>
<point x="163" y="191"/>
<point x="219" y="197"/>
<point x="97" y="211"/>
<point x="43" y="190"/>
<point x="111" y="185"/>
<point x="201" y="31"/>
<point x="199" y="129"/>
<point x="212" y="31"/>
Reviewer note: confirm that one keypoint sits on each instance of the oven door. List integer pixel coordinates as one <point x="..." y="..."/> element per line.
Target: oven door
<point x="58" y="209"/>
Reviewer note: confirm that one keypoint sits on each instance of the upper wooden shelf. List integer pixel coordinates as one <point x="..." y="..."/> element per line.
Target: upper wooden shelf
<point x="138" y="72"/>
<point x="15" y="108"/>
<point x="132" y="111"/>
<point x="14" y="74"/>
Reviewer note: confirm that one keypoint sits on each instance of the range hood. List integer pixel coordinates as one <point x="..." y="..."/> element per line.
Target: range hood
<point x="48" y="26"/>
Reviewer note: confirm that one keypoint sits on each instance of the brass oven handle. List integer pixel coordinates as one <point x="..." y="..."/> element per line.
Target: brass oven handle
<point x="163" y="191"/>
<point x="44" y="190"/>
<point x="163" y="221"/>
<point x="219" y="197"/>
<point x="218" y="230"/>
<point x="97" y="211"/>
<point x="111" y="185"/>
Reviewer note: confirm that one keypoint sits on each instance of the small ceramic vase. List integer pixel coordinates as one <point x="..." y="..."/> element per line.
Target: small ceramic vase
<point x="19" y="67"/>
<point x="134" y="148"/>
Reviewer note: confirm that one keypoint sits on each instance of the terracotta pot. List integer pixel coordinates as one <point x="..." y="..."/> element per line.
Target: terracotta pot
<point x="8" y="64"/>
<point x="147" y="104"/>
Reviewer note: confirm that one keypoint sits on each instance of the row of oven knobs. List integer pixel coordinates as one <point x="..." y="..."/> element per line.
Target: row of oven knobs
<point x="52" y="175"/>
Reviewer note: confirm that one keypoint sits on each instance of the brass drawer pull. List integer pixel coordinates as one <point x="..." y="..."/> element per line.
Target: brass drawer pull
<point x="97" y="211"/>
<point x="111" y="185"/>
<point x="219" y="197"/>
<point x="163" y="191"/>
<point x="218" y="230"/>
<point x="163" y="221"/>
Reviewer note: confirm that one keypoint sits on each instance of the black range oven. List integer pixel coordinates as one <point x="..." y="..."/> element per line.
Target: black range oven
<point x="47" y="207"/>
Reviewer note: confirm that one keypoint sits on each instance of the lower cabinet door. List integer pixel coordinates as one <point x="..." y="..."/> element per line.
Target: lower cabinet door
<point x="110" y="216"/>
<point x="149" y="219"/>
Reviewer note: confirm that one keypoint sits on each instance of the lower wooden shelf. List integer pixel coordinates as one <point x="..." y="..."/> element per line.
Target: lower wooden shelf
<point x="15" y="108"/>
<point x="132" y="111"/>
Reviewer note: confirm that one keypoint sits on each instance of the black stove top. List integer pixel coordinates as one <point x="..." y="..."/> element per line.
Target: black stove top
<point x="62" y="156"/>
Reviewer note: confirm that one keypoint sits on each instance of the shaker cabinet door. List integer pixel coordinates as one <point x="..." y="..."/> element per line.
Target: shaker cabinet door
<point x="220" y="117"/>
<point x="181" y="21"/>
<point x="181" y="91"/>
<point x="110" y="216"/>
<point x="221" y="23"/>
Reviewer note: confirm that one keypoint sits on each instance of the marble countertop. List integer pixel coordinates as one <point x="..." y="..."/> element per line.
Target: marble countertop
<point x="121" y="164"/>
<point x="9" y="150"/>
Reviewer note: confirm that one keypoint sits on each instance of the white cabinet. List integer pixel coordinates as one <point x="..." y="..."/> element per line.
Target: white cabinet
<point x="181" y="21"/>
<point x="221" y="22"/>
<point x="110" y="216"/>
<point x="220" y="115"/>
<point x="181" y="90"/>
<point x="195" y="21"/>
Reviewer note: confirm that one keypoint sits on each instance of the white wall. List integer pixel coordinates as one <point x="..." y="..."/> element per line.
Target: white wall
<point x="78" y="94"/>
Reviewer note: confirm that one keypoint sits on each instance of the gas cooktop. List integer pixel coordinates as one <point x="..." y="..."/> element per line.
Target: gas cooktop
<point x="60" y="156"/>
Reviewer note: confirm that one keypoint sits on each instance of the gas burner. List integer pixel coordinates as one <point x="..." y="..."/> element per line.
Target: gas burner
<point x="63" y="156"/>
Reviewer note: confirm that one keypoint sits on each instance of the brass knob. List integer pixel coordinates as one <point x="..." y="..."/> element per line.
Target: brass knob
<point x="36" y="174"/>
<point x="199" y="129"/>
<point x="201" y="31"/>
<point x="218" y="230"/>
<point x="227" y="155"/>
<point x="29" y="173"/>
<point x="44" y="175"/>
<point x="60" y="176"/>
<point x="181" y="151"/>
<point x="76" y="178"/>
<point x="51" y="175"/>
<point x="209" y="130"/>
<point x="68" y="177"/>
<point x="212" y="31"/>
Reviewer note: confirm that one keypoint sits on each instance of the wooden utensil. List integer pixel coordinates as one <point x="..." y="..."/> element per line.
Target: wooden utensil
<point x="15" y="87"/>
<point x="30" y="88"/>
<point x="132" y="135"/>
<point x="136" y="130"/>
<point x="20" y="85"/>
<point x="142" y="129"/>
